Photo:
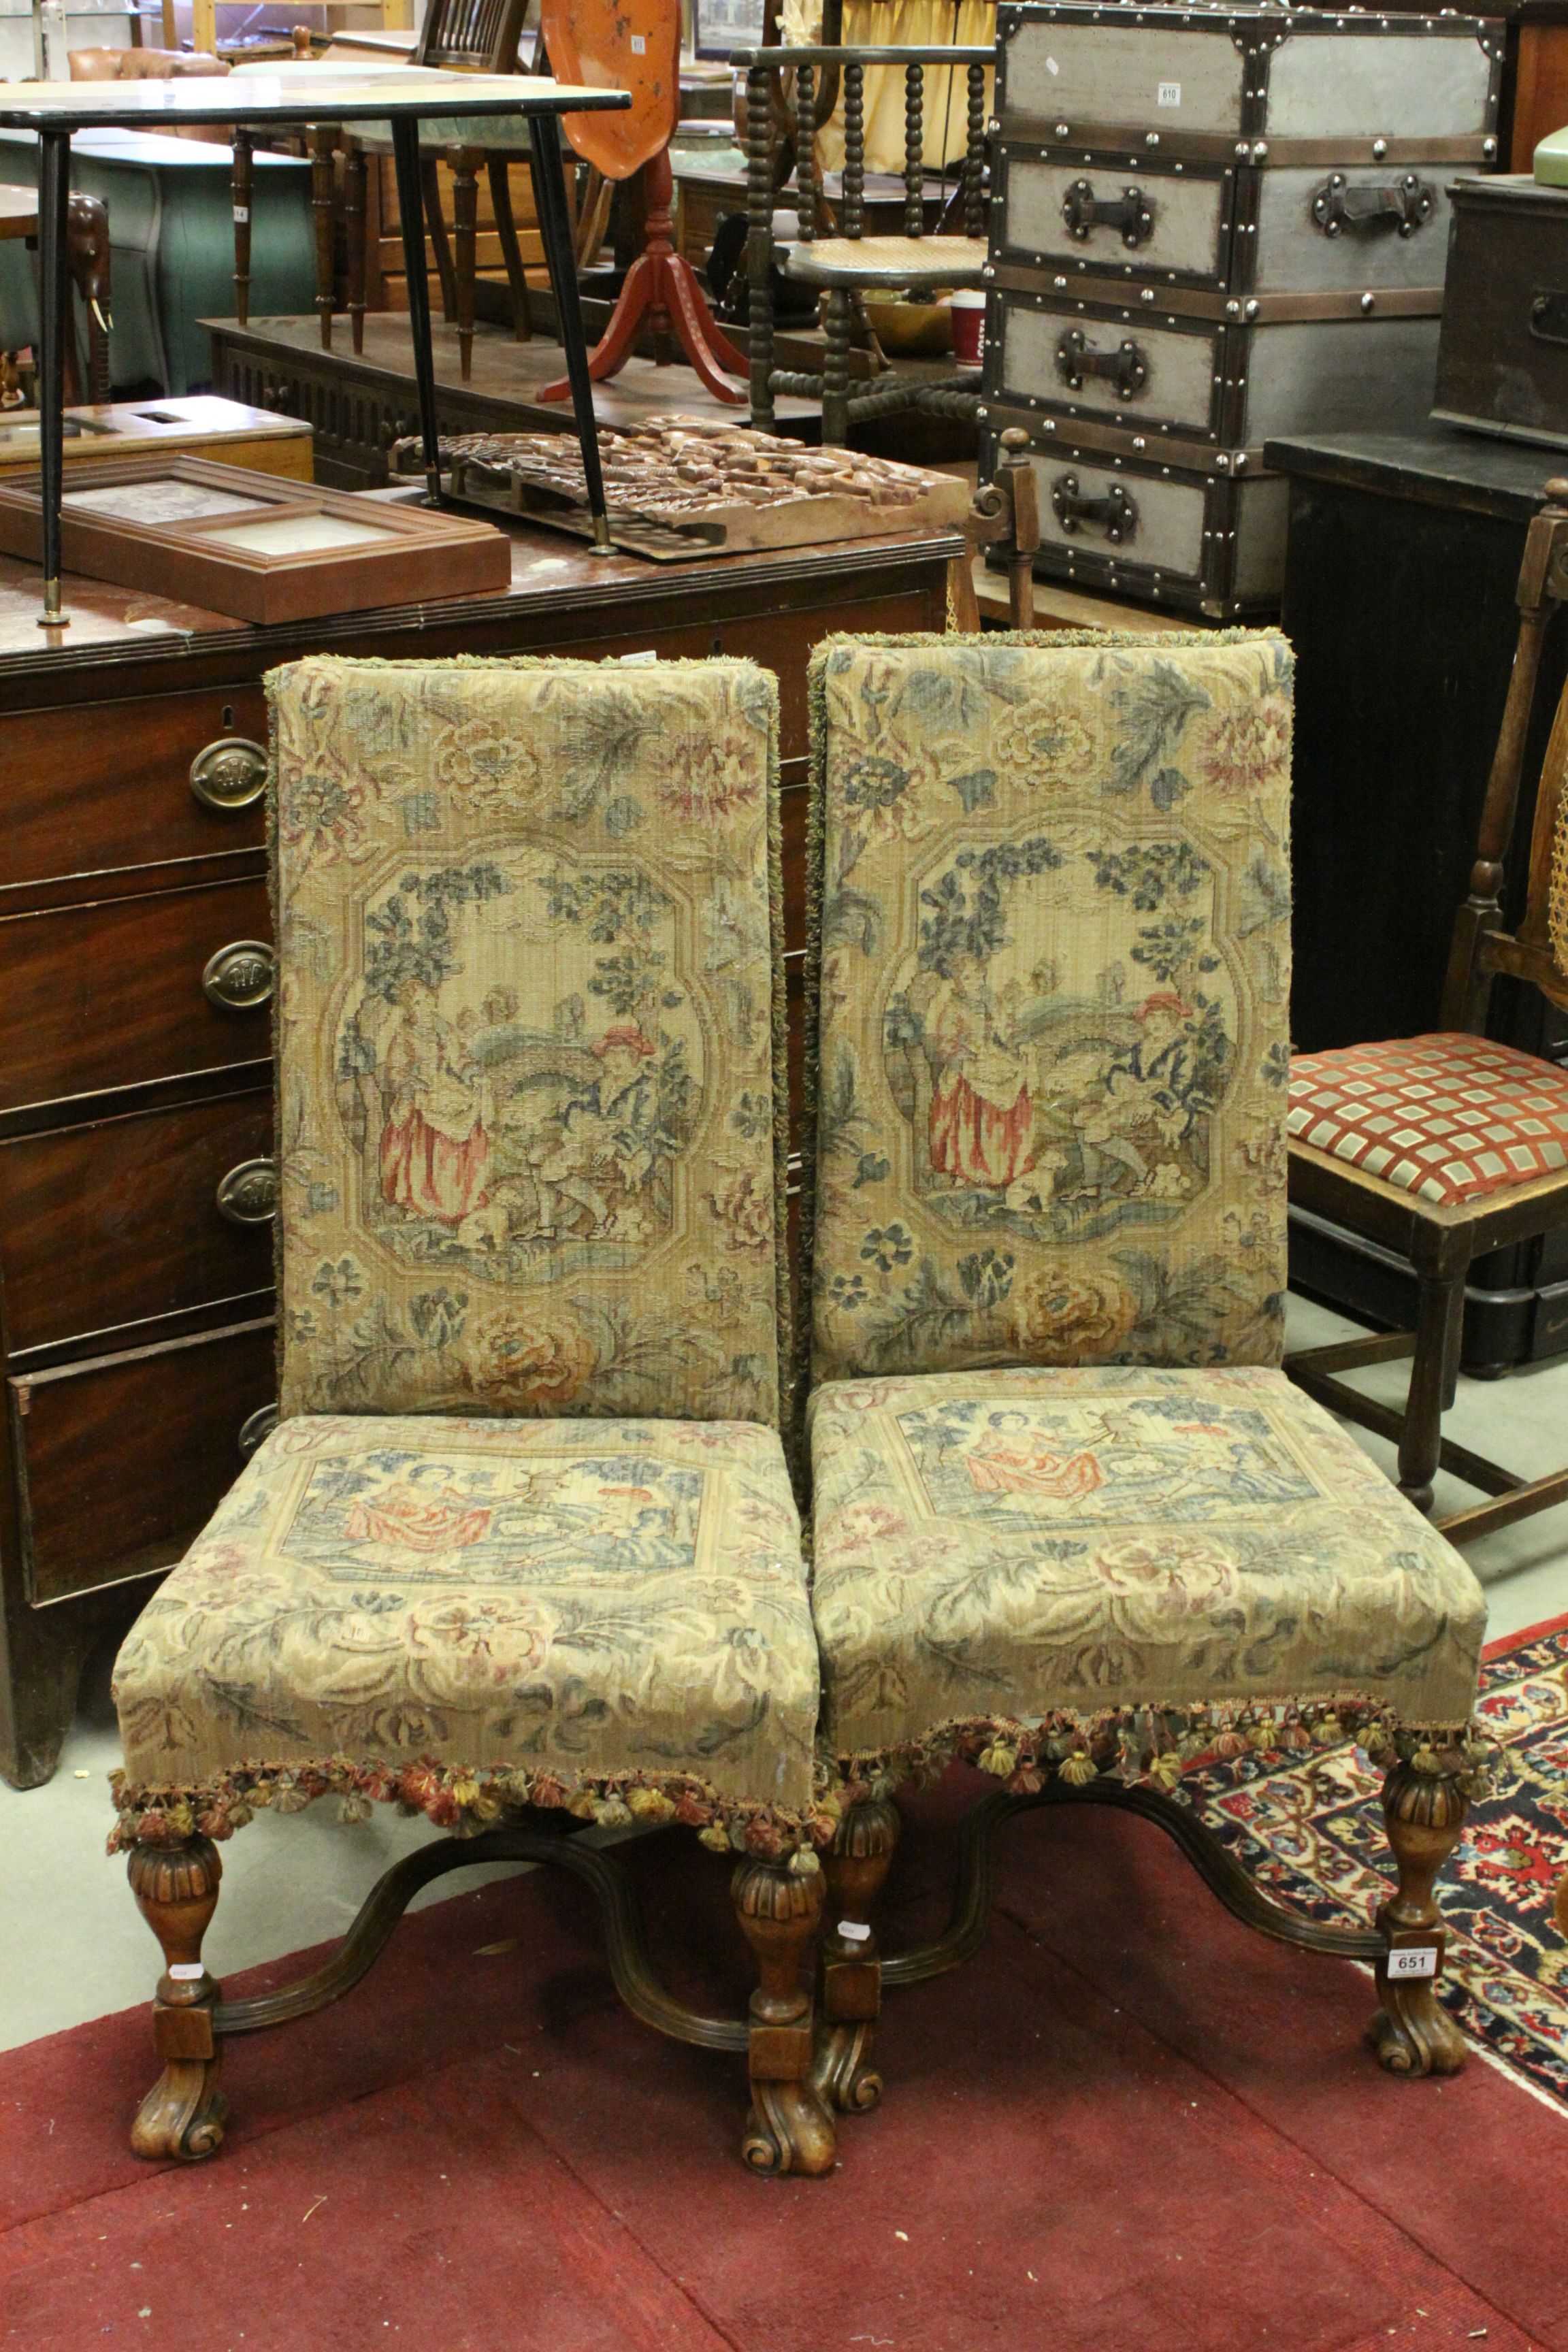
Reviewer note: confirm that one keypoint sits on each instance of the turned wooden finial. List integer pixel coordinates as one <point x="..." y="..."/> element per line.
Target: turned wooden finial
<point x="301" y="39"/>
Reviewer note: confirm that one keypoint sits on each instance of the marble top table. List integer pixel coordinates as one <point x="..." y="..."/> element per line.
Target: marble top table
<point x="403" y="97"/>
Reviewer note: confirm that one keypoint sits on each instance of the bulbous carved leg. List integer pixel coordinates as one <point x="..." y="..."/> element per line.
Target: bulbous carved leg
<point x="1411" y="2033"/>
<point x="856" y="1864"/>
<point x="788" y="2129"/>
<point x="176" y="1885"/>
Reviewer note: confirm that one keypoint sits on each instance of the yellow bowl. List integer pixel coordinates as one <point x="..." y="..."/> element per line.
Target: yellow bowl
<point x="913" y="330"/>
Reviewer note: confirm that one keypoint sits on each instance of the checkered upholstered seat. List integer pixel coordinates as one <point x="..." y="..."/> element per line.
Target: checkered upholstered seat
<point x="1449" y="1118"/>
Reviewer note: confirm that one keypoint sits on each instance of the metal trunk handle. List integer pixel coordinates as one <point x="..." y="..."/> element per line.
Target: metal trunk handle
<point x="1125" y="368"/>
<point x="1407" y="202"/>
<point x="1130" y="212"/>
<point x="1114" y="514"/>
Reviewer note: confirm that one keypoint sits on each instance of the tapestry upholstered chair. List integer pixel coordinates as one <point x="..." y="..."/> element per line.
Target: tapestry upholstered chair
<point x="1445" y="1146"/>
<point x="522" y="1553"/>
<point x="1071" y="1520"/>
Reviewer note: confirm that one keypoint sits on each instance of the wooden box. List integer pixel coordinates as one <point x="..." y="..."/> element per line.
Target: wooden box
<point x="197" y="424"/>
<point x="1503" y="360"/>
<point x="253" y="545"/>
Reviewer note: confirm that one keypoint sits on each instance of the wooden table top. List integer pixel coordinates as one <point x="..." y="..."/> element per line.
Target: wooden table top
<point x="328" y="95"/>
<point x="552" y="574"/>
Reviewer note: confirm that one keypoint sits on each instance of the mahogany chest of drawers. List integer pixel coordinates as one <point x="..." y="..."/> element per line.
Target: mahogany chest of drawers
<point x="135" y="1072"/>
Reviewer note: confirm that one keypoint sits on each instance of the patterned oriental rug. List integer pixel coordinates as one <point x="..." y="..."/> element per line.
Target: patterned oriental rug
<point x="1313" y="1834"/>
<point x="1129" y="2121"/>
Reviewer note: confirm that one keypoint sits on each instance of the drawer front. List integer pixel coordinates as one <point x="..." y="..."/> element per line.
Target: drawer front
<point x="112" y="995"/>
<point x="120" y="1221"/>
<point x="1087" y="73"/>
<point x="1129" y="370"/>
<point x="1187" y="237"/>
<point x="1428" y="83"/>
<point x="1316" y="234"/>
<point x="120" y="1462"/>
<point x="110" y="785"/>
<point x="1164" y="526"/>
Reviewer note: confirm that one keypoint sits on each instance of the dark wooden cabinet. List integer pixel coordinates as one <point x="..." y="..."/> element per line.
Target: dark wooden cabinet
<point x="135" y="1084"/>
<point x="1401" y="570"/>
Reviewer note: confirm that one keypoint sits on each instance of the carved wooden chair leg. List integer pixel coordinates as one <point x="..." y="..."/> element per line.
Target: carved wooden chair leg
<point x="355" y="183"/>
<point x="1411" y="2033"/>
<point x="465" y="163"/>
<point x="1434" y="1375"/>
<point x="855" y="1865"/>
<point x="176" y="1884"/>
<point x="323" y="142"/>
<point x="789" y="2129"/>
<point x="836" y="371"/>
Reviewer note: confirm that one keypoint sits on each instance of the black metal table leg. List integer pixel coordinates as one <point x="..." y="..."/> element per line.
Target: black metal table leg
<point x="411" y="211"/>
<point x="555" y="231"/>
<point x="53" y="197"/>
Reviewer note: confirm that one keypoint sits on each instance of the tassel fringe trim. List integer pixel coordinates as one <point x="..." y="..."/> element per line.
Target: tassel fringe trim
<point x="1157" y="1745"/>
<point x="466" y="1802"/>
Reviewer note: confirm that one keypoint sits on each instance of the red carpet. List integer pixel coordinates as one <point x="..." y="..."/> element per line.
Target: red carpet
<point x="1129" y="2124"/>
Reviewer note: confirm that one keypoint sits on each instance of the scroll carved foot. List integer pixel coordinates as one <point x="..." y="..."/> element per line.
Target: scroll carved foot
<point x="182" y="2117"/>
<point x="856" y="1864"/>
<point x="789" y="2129"/>
<point x="1412" y="2033"/>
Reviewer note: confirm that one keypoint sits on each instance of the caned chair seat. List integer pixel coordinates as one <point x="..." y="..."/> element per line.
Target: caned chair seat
<point x="1054" y="1555"/>
<point x="889" y="261"/>
<point x="1450" y="1117"/>
<point x="554" y="1612"/>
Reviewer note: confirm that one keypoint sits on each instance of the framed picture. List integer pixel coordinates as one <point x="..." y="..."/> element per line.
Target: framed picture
<point x="257" y="546"/>
<point x="720" y="25"/>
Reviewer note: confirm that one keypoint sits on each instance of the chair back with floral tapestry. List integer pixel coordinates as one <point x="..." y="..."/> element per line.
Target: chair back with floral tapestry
<point x="1052" y="901"/>
<point x="529" y="1161"/>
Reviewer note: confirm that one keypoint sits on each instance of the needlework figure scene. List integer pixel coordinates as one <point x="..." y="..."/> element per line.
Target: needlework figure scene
<point x="526" y="914"/>
<point x="1054" y="905"/>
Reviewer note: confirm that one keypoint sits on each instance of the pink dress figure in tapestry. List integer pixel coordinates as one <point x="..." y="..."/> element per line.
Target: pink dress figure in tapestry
<point x="435" y="1147"/>
<point x="982" y="1112"/>
<point x="1010" y="1459"/>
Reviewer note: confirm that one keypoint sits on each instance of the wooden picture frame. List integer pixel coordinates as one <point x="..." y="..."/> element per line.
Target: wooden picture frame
<point x="259" y="546"/>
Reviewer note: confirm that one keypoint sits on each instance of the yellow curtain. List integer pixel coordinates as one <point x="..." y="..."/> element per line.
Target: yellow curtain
<point x="913" y="24"/>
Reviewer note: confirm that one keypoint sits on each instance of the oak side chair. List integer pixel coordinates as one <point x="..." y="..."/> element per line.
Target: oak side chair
<point x="1444" y="1146"/>
<point x="522" y="1553"/>
<point x="1072" y="1522"/>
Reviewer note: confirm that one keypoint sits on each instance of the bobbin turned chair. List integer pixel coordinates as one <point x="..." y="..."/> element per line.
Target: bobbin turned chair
<point x="522" y="1554"/>
<point x="848" y="264"/>
<point x="1445" y="1147"/>
<point x="1071" y="1521"/>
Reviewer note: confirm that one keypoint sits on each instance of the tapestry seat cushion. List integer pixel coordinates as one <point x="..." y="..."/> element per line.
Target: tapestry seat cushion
<point x="1052" y="886"/>
<point x="1025" y="1566"/>
<point x="531" y="1146"/>
<point x="1449" y="1118"/>
<point x="464" y="1614"/>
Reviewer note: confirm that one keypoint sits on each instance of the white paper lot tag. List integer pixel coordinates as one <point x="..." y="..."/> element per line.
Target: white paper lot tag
<point x="1413" y="1960"/>
<point x="187" y="1971"/>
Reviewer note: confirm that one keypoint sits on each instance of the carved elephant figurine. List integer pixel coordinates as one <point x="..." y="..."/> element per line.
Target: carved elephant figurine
<point x="87" y="259"/>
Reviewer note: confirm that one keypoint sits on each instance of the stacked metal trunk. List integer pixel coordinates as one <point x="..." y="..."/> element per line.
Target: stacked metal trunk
<point x="1211" y="227"/>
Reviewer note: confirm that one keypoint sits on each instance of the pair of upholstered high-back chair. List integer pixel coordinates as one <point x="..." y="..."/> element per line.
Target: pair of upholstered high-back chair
<point x="523" y="1554"/>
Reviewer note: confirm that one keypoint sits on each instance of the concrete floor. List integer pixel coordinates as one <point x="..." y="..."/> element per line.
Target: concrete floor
<point x="73" y="1948"/>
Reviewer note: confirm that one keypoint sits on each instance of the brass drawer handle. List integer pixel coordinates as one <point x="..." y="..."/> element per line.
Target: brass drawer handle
<point x="247" y="1195"/>
<point x="256" y="1429"/>
<point x="239" y="978"/>
<point x="230" y="773"/>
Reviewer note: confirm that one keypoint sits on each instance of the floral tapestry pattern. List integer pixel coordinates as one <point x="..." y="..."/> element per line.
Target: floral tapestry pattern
<point x="1005" y="1547"/>
<point x="576" y="1605"/>
<point x="1053" y="906"/>
<point x="526" y="1038"/>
